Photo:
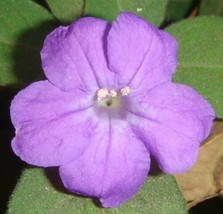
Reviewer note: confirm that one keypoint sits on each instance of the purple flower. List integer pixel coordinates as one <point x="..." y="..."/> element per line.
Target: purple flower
<point x="107" y="106"/>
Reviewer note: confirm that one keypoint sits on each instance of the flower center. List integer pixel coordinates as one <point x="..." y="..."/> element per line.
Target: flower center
<point x="111" y="98"/>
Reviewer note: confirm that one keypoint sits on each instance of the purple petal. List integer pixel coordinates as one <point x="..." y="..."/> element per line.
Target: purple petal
<point x="173" y="120"/>
<point x="170" y="48"/>
<point x="52" y="127"/>
<point x="113" y="167"/>
<point x="73" y="57"/>
<point x="140" y="54"/>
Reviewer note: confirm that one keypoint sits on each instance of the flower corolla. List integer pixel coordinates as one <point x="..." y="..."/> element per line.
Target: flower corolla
<point x="107" y="106"/>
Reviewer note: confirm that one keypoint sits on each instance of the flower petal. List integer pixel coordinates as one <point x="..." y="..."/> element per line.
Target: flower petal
<point x="73" y="57"/>
<point x="170" y="48"/>
<point x="140" y="54"/>
<point x="52" y="126"/>
<point x="173" y="120"/>
<point x="113" y="167"/>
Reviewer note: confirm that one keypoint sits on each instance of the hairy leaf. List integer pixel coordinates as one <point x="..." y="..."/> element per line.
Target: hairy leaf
<point x="66" y="11"/>
<point x="152" y="10"/>
<point x="23" y="24"/>
<point x="200" y="63"/>
<point x="42" y="192"/>
<point x="211" y="7"/>
<point x="178" y="9"/>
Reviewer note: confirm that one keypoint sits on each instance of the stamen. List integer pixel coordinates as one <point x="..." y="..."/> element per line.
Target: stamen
<point x="113" y="93"/>
<point x="102" y="94"/>
<point x="111" y="98"/>
<point x="125" y="91"/>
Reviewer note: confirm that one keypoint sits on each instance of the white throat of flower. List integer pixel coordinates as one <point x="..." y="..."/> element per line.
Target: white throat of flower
<point x="111" y="98"/>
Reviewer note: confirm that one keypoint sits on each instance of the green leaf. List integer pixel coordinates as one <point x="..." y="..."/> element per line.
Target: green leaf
<point x="200" y="57"/>
<point x="178" y="9"/>
<point x="152" y="10"/>
<point x="211" y="7"/>
<point x="23" y="24"/>
<point x="66" y="11"/>
<point x="36" y="194"/>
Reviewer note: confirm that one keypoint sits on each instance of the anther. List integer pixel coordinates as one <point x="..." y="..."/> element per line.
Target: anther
<point x="125" y="91"/>
<point x="102" y="94"/>
<point x="113" y="93"/>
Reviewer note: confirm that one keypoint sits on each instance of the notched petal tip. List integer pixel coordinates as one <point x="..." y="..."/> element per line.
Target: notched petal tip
<point x="73" y="57"/>
<point x="113" y="168"/>
<point x="44" y="118"/>
<point x="177" y="119"/>
<point x="180" y="162"/>
<point x="139" y="53"/>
